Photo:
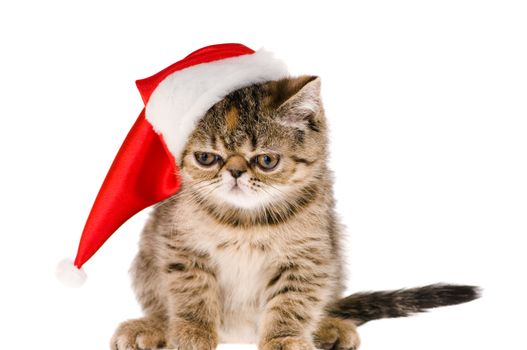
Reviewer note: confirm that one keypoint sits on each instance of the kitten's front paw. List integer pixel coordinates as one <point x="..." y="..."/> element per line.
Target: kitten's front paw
<point x="288" y="343"/>
<point x="335" y="333"/>
<point x="141" y="334"/>
<point x="187" y="336"/>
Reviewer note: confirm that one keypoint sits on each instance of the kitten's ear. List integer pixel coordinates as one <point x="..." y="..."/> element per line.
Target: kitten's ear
<point x="299" y="103"/>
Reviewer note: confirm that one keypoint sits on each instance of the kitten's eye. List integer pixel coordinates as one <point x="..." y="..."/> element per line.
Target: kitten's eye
<point x="207" y="158"/>
<point x="267" y="161"/>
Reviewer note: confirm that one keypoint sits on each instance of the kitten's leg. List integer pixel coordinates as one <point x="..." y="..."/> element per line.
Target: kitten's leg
<point x="193" y="302"/>
<point x="147" y="332"/>
<point x="295" y="300"/>
<point x="144" y="333"/>
<point x="335" y="333"/>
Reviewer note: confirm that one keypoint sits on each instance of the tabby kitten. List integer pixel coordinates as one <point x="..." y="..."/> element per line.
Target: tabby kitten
<point x="249" y="249"/>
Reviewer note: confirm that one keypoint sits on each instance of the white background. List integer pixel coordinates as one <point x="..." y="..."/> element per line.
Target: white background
<point x="427" y="106"/>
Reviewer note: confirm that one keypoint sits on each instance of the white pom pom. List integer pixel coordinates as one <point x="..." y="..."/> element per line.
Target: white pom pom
<point x="69" y="274"/>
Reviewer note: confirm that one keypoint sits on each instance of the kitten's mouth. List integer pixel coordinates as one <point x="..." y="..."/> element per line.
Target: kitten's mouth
<point x="236" y="188"/>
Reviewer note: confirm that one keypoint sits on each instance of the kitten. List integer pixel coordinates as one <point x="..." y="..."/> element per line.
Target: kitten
<point x="249" y="250"/>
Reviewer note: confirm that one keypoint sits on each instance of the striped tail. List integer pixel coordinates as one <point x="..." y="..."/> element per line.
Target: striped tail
<point x="367" y="306"/>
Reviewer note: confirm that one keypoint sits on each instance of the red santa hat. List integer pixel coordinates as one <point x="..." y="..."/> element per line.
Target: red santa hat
<point x="145" y="170"/>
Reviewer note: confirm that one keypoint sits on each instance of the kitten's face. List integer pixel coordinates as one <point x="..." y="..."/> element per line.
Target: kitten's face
<point x="258" y="148"/>
<point x="242" y="176"/>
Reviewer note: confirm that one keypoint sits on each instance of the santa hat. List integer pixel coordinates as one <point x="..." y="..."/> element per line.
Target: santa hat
<point x="145" y="170"/>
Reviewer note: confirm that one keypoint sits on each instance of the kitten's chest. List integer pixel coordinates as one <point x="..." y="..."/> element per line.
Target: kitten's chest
<point x="242" y="273"/>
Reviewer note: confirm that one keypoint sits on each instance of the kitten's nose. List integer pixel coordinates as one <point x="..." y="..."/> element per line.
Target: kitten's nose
<point x="236" y="173"/>
<point x="236" y="165"/>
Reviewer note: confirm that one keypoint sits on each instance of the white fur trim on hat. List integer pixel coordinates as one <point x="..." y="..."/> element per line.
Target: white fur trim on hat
<point x="182" y="98"/>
